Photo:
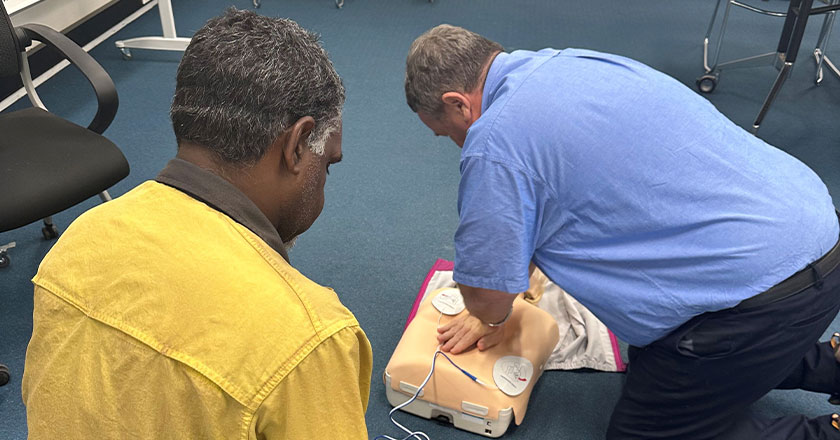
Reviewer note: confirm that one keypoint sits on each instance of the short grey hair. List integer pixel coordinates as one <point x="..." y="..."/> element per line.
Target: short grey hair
<point x="246" y="78"/>
<point x="444" y="59"/>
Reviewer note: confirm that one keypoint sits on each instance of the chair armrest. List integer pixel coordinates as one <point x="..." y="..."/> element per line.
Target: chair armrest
<point x="103" y="85"/>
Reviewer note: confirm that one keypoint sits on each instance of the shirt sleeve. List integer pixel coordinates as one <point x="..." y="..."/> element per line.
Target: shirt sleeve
<point x="325" y="396"/>
<point x="499" y="210"/>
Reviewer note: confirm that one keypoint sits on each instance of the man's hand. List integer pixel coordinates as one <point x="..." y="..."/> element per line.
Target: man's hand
<point x="466" y="331"/>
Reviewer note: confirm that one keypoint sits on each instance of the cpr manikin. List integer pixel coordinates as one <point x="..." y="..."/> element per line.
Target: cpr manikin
<point x="486" y="390"/>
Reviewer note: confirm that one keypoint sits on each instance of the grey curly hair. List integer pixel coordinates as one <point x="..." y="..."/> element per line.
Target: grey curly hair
<point x="246" y="78"/>
<point x="444" y="59"/>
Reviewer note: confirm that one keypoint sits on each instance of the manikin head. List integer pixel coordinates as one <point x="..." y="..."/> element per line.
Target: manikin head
<point x="258" y="102"/>
<point x="444" y="78"/>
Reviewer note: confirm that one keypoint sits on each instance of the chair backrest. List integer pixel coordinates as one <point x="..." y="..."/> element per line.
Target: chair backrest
<point x="9" y="46"/>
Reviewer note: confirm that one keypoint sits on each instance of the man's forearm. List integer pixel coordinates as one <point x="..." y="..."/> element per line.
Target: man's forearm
<point x="490" y="306"/>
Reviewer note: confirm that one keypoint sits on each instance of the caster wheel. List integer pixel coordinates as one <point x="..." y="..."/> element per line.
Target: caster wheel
<point x="4" y="375"/>
<point x="126" y="53"/>
<point x="4" y="261"/>
<point x="256" y="3"/>
<point x="339" y="3"/>
<point x="707" y="83"/>
<point x="50" y="232"/>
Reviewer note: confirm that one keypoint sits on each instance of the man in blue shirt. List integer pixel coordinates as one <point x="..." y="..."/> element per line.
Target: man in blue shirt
<point x="709" y="251"/>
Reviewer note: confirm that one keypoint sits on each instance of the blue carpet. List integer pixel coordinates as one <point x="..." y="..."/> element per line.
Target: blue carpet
<point x="390" y="209"/>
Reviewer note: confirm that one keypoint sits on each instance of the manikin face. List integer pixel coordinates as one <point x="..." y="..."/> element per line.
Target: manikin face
<point x="310" y="201"/>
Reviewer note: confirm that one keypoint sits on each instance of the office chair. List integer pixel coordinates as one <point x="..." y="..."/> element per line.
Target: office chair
<point x="48" y="164"/>
<point x="796" y="17"/>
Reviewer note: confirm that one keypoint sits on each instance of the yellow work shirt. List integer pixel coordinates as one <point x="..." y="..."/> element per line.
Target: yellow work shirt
<point x="157" y="316"/>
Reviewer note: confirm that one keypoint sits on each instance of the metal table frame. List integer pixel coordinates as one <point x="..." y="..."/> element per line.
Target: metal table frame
<point x="796" y="17"/>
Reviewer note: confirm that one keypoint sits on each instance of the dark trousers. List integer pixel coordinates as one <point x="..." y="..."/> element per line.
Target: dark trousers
<point x="698" y="382"/>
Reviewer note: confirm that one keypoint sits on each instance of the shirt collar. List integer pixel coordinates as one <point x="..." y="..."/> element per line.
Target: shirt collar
<point x="491" y="80"/>
<point x="221" y="195"/>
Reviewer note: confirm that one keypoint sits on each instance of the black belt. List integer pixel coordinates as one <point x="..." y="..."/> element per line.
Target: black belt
<point x="805" y="278"/>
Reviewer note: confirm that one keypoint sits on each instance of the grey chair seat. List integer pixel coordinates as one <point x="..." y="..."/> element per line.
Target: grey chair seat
<point x="81" y="164"/>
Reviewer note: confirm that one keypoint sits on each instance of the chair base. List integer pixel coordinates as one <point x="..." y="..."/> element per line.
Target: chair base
<point x="4" y="254"/>
<point x="823" y="59"/>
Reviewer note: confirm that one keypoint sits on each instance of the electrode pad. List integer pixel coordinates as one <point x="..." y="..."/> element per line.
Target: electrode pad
<point x="449" y="302"/>
<point x="512" y="374"/>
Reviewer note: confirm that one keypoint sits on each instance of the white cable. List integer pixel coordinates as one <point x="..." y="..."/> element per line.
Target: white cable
<point x="420" y="434"/>
<point x="416" y="434"/>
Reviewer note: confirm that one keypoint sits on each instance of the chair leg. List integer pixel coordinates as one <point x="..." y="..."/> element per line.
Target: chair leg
<point x="4" y="375"/>
<point x="822" y="43"/>
<point x="777" y="85"/>
<point x="790" y="23"/>
<point x="50" y="231"/>
<point x="5" y="260"/>
<point x="709" y="66"/>
<point x="789" y="43"/>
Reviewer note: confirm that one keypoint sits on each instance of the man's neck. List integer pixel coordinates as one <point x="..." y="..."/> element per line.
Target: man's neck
<point x="477" y="95"/>
<point x="250" y="181"/>
<point x="199" y="156"/>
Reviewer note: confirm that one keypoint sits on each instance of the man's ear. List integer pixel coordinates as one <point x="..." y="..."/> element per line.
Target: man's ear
<point x="296" y="143"/>
<point x="459" y="104"/>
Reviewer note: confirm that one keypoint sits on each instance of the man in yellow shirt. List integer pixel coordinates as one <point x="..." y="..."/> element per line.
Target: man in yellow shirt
<point x="172" y="311"/>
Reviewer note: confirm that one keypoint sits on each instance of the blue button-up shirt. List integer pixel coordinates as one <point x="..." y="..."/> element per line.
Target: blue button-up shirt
<point x="630" y="191"/>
